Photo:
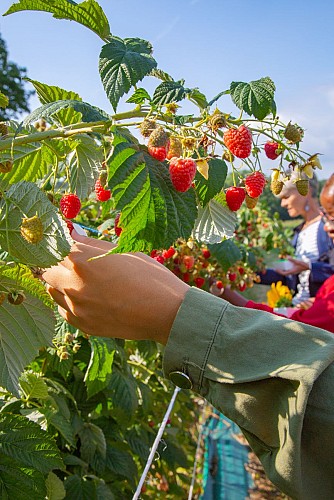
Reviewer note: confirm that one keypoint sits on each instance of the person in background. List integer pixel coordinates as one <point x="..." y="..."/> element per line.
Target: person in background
<point x="310" y="266"/>
<point x="317" y="311"/>
<point x="272" y="376"/>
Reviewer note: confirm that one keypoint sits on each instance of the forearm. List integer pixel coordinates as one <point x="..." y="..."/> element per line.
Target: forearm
<point x="258" y="370"/>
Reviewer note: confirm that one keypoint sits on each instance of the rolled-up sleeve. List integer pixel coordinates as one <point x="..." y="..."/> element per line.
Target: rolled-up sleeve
<point x="272" y="376"/>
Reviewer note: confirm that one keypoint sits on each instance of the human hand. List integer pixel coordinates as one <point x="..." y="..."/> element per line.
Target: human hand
<point x="306" y="304"/>
<point x="128" y="296"/>
<point x="297" y="266"/>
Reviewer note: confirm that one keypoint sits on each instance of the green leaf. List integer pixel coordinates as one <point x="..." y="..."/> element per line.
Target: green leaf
<point x="214" y="223"/>
<point x="24" y="329"/>
<point x="198" y="98"/>
<point x="89" y="113"/>
<point x="57" y="414"/>
<point x="162" y="75"/>
<point x="139" y="96"/>
<point x="121" y="462"/>
<point x="25" y="199"/>
<point x="49" y="93"/>
<point x="54" y="487"/>
<point x="19" y="482"/>
<point x="80" y="488"/>
<point x="227" y="253"/>
<point x="93" y="442"/>
<point x="168" y="92"/>
<point x="154" y="214"/>
<point x="124" y="392"/>
<point x="207" y="189"/>
<point x="88" y="13"/>
<point x="84" y="163"/>
<point x="33" y="386"/>
<point x="27" y="443"/>
<point x="25" y="280"/>
<point x="99" y="370"/>
<point x="4" y="101"/>
<point x="31" y="162"/>
<point x="122" y="64"/>
<point x="255" y="98"/>
<point x="218" y="96"/>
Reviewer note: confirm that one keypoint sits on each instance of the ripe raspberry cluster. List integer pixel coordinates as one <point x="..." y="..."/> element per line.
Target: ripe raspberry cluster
<point x="193" y="263"/>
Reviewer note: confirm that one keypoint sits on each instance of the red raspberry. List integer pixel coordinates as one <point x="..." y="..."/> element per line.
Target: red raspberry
<point x="235" y="197"/>
<point x="168" y="253"/>
<point x="242" y="286"/>
<point x="206" y="253"/>
<point x="159" y="153"/>
<point x="182" y="172"/>
<point x="70" y="226"/>
<point x="199" y="281"/>
<point x="239" y="141"/>
<point x="270" y="149"/>
<point x="219" y="284"/>
<point x="70" y="205"/>
<point x="189" y="261"/>
<point x="254" y="184"/>
<point x="160" y="259"/>
<point x="118" y="229"/>
<point x="101" y="193"/>
<point x="232" y="276"/>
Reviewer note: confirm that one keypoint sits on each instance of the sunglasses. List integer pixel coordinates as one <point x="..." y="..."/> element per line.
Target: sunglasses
<point x="325" y="216"/>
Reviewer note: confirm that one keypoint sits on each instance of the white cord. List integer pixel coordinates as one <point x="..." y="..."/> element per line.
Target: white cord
<point x="199" y="439"/>
<point x="155" y="445"/>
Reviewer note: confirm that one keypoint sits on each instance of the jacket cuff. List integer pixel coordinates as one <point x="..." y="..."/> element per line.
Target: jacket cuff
<point x="192" y="337"/>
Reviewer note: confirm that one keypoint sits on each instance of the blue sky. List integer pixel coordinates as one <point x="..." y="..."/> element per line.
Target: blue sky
<point x="209" y="43"/>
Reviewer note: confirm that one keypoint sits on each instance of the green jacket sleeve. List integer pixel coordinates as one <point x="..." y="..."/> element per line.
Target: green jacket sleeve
<point x="272" y="376"/>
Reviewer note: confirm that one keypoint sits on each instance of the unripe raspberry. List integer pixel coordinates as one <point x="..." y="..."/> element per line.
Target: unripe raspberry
<point x="293" y="133"/>
<point x="250" y="202"/>
<point x="302" y="186"/>
<point x="6" y="166"/>
<point x="217" y="120"/>
<point x="3" y="128"/>
<point x="16" y="297"/>
<point x="175" y="148"/>
<point x="3" y="296"/>
<point x="70" y="205"/>
<point x="159" y="137"/>
<point x="147" y="126"/>
<point x="276" y="186"/>
<point x="239" y="141"/>
<point x="32" y="229"/>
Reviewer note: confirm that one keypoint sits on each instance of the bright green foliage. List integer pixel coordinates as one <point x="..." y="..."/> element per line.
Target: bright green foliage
<point x="88" y="13"/>
<point x="24" y="329"/>
<point x="255" y="98"/>
<point x="3" y="100"/>
<point x="214" y="223"/>
<point x="153" y="214"/>
<point x="227" y="253"/>
<point x="122" y="64"/>
<point x="24" y="199"/>
<point x="208" y="188"/>
<point x="169" y="92"/>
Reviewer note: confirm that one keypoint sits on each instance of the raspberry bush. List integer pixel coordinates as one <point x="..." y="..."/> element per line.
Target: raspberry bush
<point x="154" y="180"/>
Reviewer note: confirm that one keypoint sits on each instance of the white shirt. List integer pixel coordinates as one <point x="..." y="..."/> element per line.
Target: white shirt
<point x="306" y="250"/>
